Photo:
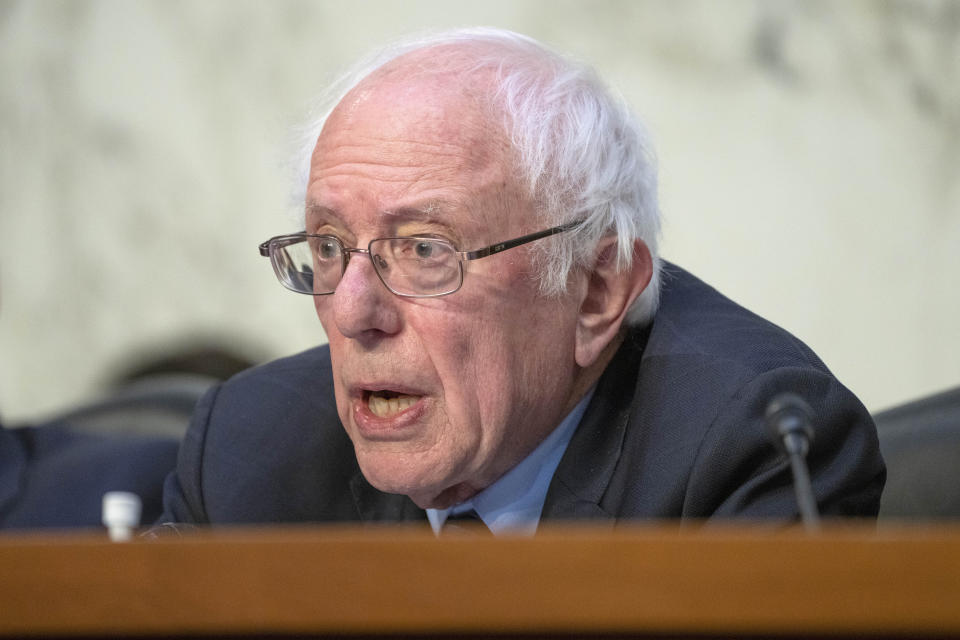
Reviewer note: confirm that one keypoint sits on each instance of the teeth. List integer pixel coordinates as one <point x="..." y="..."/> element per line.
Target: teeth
<point x="383" y="407"/>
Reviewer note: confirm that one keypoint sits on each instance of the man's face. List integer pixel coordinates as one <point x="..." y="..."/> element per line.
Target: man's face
<point x="440" y="396"/>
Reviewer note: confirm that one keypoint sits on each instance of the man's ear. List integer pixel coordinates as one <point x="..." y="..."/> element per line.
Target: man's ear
<point x="609" y="294"/>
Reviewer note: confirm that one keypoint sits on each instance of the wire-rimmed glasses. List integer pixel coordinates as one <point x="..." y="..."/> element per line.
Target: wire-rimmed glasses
<point x="409" y="266"/>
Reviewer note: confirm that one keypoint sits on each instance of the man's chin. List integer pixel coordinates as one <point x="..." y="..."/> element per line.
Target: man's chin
<point x="425" y="489"/>
<point x="395" y="474"/>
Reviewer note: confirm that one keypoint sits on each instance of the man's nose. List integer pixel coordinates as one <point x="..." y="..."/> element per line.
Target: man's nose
<point x="362" y="305"/>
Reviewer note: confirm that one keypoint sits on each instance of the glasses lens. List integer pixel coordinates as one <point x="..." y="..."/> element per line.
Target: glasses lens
<point x="311" y="265"/>
<point x="417" y="266"/>
<point x="292" y="264"/>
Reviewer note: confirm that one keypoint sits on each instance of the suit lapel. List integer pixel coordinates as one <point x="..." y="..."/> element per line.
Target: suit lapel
<point x="584" y="473"/>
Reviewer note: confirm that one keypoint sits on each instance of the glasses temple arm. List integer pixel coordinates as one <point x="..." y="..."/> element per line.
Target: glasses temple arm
<point x="516" y="242"/>
<point x="265" y="246"/>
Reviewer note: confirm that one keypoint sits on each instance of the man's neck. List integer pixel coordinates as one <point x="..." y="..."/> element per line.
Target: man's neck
<point x="587" y="377"/>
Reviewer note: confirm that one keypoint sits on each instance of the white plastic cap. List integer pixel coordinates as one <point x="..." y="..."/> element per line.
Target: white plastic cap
<point x="121" y="514"/>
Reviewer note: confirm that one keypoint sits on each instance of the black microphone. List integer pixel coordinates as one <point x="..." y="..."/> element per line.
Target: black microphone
<point x="790" y="425"/>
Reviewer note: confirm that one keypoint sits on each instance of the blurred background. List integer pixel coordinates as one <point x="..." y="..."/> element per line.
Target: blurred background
<point x="809" y="155"/>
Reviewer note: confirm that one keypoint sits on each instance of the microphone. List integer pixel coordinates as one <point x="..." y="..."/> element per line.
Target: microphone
<point x="790" y="427"/>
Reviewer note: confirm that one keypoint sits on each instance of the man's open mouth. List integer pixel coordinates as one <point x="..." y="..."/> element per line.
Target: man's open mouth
<point x="385" y="403"/>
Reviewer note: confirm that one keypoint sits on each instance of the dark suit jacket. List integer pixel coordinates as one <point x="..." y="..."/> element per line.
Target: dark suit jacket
<point x="675" y="430"/>
<point x="55" y="476"/>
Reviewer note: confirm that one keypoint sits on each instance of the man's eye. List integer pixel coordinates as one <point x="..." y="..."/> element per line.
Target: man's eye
<point x="424" y="250"/>
<point x="328" y="249"/>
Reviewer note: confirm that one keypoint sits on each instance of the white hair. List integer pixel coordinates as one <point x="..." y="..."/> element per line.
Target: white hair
<point x="580" y="151"/>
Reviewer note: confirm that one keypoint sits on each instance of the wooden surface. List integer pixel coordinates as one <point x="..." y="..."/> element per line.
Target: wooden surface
<point x="642" y="580"/>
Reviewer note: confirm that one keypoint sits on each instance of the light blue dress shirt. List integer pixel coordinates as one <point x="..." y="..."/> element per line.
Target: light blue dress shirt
<point x="513" y="503"/>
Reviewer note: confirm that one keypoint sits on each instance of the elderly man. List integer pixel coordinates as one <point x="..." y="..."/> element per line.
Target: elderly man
<point x="481" y="247"/>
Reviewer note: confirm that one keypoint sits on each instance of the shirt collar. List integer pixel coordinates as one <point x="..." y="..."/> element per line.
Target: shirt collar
<point x="513" y="503"/>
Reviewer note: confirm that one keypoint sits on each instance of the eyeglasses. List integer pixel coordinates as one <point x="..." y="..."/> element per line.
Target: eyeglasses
<point x="413" y="267"/>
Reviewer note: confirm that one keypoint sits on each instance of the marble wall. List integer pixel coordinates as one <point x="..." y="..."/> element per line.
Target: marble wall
<point x="809" y="151"/>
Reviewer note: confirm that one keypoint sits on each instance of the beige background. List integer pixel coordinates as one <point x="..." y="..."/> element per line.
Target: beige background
<point x="810" y="169"/>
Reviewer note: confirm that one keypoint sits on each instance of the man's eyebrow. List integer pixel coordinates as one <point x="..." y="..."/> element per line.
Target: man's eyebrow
<point x="429" y="209"/>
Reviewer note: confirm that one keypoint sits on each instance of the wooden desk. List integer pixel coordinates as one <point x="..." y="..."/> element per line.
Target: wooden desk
<point x="633" y="581"/>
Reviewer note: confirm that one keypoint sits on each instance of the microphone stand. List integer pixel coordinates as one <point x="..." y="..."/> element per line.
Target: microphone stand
<point x="789" y="420"/>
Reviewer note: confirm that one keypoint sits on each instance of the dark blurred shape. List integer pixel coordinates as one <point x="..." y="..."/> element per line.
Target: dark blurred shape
<point x="207" y="360"/>
<point x="920" y="442"/>
<point x="158" y="405"/>
<point x="54" y="475"/>
<point x="155" y="393"/>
